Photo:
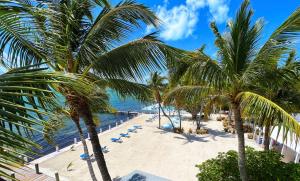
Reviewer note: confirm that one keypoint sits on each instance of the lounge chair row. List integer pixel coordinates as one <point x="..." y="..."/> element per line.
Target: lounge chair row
<point x="126" y="135"/>
<point x="104" y="149"/>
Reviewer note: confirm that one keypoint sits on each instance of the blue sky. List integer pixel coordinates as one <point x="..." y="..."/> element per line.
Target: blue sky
<point x="186" y="22"/>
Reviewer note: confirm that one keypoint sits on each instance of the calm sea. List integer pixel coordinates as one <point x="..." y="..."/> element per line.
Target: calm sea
<point x="65" y="136"/>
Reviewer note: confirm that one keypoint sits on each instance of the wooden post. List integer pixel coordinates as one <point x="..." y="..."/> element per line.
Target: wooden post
<point x="75" y="141"/>
<point x="56" y="176"/>
<point x="37" y="170"/>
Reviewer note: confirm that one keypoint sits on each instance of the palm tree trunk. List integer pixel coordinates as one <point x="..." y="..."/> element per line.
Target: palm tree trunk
<point x="241" y="141"/>
<point x="198" y="122"/>
<point x="179" y="119"/>
<point x="81" y="108"/>
<point x="162" y="110"/>
<point x="267" y="135"/>
<point x="85" y="150"/>
<point x="194" y="116"/>
<point x="99" y="157"/>
<point x="158" y="116"/>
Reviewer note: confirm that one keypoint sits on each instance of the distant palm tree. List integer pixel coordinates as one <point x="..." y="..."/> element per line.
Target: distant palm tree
<point x="279" y="83"/>
<point x="67" y="36"/>
<point x="240" y="62"/>
<point x="26" y="101"/>
<point x="157" y="85"/>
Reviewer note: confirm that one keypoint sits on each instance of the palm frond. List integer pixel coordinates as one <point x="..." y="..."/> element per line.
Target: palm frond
<point x="289" y="29"/>
<point x="253" y="103"/>
<point x="133" y="59"/>
<point x="189" y="93"/>
<point x="113" y="25"/>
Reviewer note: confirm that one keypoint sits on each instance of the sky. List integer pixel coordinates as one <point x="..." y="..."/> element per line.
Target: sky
<point x="185" y="23"/>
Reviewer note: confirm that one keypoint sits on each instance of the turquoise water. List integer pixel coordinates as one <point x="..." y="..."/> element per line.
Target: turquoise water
<point x="65" y="136"/>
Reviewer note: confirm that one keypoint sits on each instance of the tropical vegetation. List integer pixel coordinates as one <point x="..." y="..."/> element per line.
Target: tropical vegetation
<point x="261" y="165"/>
<point x="26" y="100"/>
<point x="241" y="60"/>
<point x="80" y="48"/>
<point x="68" y="37"/>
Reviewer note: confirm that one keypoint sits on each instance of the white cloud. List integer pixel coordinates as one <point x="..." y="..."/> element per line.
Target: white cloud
<point x="180" y="21"/>
<point x="219" y="10"/>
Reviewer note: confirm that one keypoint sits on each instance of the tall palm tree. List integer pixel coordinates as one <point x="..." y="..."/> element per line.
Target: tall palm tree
<point x="26" y="101"/>
<point x="157" y="86"/>
<point x="67" y="36"/>
<point x="240" y="61"/>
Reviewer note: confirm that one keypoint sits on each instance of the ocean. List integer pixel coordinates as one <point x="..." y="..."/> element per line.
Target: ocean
<point x="65" y="136"/>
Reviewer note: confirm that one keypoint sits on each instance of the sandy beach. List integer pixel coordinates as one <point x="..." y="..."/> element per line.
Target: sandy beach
<point x="158" y="152"/>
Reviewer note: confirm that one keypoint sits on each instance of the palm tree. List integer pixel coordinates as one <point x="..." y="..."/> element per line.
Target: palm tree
<point x="239" y="63"/>
<point x="26" y="101"/>
<point x="183" y="89"/>
<point x="67" y="36"/>
<point x="279" y="84"/>
<point x="157" y="85"/>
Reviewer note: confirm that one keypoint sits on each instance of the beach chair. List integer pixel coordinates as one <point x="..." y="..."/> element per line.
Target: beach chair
<point x="119" y="140"/>
<point x="137" y="127"/>
<point x="132" y="130"/>
<point x="84" y="156"/>
<point x="124" y="135"/>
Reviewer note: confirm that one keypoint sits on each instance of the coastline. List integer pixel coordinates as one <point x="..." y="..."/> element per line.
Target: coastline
<point x="151" y="150"/>
<point x="79" y="143"/>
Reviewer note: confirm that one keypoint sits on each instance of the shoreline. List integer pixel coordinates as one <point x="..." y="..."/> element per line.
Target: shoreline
<point x="79" y="143"/>
<point x="151" y="150"/>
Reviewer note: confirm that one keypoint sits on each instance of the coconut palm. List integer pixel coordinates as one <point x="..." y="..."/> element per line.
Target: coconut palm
<point x="157" y="86"/>
<point x="26" y="101"/>
<point x="275" y="85"/>
<point x="67" y="36"/>
<point x="180" y="89"/>
<point x="240" y="61"/>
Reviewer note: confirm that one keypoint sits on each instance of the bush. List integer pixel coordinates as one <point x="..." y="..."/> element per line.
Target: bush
<point x="178" y="130"/>
<point x="261" y="165"/>
<point x="202" y="131"/>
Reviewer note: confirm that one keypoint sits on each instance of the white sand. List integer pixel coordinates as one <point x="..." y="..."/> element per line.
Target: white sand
<point x="165" y="154"/>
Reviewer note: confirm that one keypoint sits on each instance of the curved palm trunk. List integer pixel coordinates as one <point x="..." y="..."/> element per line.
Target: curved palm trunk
<point x="99" y="157"/>
<point x="158" y="98"/>
<point x="241" y="141"/>
<point x="81" y="108"/>
<point x="162" y="110"/>
<point x="267" y="135"/>
<point x="85" y="150"/>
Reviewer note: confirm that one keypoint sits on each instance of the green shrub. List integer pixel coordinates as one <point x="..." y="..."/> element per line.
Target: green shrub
<point x="261" y="165"/>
